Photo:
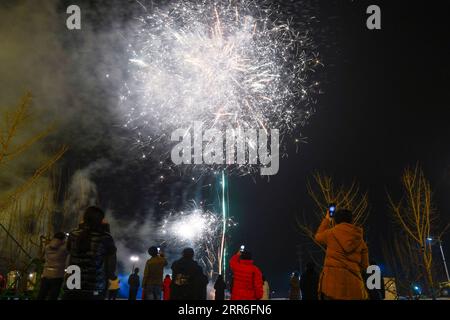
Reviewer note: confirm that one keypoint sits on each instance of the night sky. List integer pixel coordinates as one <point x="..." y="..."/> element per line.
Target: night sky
<point x="384" y="107"/>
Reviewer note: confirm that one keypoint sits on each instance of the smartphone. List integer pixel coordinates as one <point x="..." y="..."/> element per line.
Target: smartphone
<point x="332" y="209"/>
<point x="242" y="248"/>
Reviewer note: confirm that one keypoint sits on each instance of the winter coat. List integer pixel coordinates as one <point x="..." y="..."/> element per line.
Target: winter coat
<point x="219" y="286"/>
<point x="294" y="291"/>
<point x="247" y="280"/>
<point x="166" y="288"/>
<point x="203" y="286"/>
<point x="187" y="280"/>
<point x="154" y="271"/>
<point x="114" y="284"/>
<point x="345" y="260"/>
<point x="96" y="257"/>
<point x="266" y="291"/>
<point x="55" y="255"/>
<point x="309" y="284"/>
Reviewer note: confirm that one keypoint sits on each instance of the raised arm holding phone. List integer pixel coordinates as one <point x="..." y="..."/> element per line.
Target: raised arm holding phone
<point x="346" y="257"/>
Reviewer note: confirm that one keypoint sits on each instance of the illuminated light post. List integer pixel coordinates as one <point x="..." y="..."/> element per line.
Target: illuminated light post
<point x="430" y="241"/>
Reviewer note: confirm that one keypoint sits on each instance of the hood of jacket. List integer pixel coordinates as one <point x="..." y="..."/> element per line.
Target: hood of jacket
<point x="348" y="236"/>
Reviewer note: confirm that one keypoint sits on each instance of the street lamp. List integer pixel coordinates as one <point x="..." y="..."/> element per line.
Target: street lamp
<point x="134" y="259"/>
<point x="430" y="240"/>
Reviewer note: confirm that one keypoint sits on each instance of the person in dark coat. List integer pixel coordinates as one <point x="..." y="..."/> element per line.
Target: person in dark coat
<point x="309" y="283"/>
<point x="203" y="286"/>
<point x="220" y="286"/>
<point x="134" y="283"/>
<point x="294" y="287"/>
<point x="92" y="249"/>
<point x="187" y="278"/>
<point x="55" y="255"/>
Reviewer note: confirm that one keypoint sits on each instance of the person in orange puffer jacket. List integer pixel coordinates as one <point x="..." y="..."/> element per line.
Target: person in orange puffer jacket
<point x="346" y="258"/>
<point x="247" y="278"/>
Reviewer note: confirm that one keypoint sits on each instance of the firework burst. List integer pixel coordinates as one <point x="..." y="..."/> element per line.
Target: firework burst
<point x="228" y="64"/>
<point x="199" y="229"/>
<point x="191" y="227"/>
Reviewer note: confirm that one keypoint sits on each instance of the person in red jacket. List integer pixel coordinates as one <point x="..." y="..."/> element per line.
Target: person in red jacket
<point x="247" y="278"/>
<point x="166" y="287"/>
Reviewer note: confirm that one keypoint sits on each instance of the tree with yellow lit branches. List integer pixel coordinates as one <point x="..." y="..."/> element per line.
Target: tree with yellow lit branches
<point x="417" y="218"/>
<point x="23" y="203"/>
<point x="324" y="191"/>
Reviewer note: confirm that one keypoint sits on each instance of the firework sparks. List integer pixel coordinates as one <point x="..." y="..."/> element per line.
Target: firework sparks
<point x="191" y="227"/>
<point x="226" y="64"/>
<point x="199" y="229"/>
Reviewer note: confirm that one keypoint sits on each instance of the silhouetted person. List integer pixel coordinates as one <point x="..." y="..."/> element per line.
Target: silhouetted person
<point x="92" y="249"/>
<point x="219" y="287"/>
<point x="153" y="274"/>
<point x="346" y="258"/>
<point x="309" y="283"/>
<point x="55" y="255"/>
<point x="187" y="278"/>
<point x="203" y="286"/>
<point x="133" y="283"/>
<point x="294" y="287"/>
